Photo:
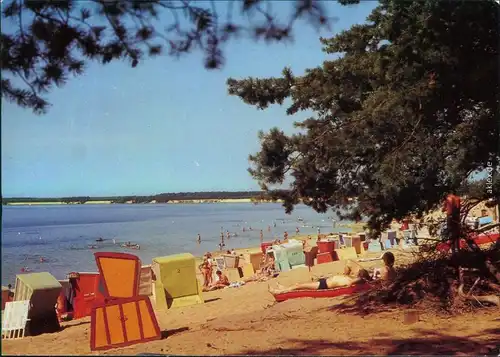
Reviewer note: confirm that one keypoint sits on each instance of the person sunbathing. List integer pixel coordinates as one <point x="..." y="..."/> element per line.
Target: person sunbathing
<point x="332" y="282"/>
<point x="219" y="284"/>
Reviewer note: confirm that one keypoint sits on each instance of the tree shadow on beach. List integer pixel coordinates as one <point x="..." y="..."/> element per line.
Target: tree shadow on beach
<point x="428" y="343"/>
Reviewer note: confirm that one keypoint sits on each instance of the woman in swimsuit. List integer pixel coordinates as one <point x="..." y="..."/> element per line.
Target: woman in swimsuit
<point x="206" y="271"/>
<point x="332" y="282"/>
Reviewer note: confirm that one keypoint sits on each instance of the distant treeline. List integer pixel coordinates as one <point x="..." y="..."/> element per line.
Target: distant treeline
<point x="160" y="198"/>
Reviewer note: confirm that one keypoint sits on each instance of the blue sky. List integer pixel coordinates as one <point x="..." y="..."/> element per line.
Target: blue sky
<point x="166" y="126"/>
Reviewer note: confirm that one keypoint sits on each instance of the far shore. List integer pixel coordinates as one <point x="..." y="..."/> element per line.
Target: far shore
<point x="224" y="200"/>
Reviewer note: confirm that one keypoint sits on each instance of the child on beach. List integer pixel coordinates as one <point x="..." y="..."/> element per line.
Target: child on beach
<point x="387" y="272"/>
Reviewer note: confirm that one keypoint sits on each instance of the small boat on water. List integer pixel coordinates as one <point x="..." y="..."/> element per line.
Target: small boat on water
<point x="130" y="245"/>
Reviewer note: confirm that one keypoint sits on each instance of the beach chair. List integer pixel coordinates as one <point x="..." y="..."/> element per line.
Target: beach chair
<point x="220" y="263"/>
<point x="14" y="319"/>
<point x="5" y="296"/>
<point x="342" y="243"/>
<point x="42" y="290"/>
<point x="176" y="284"/>
<point x="125" y="318"/>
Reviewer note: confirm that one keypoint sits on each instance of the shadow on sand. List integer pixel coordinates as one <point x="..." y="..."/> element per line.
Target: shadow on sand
<point x="427" y="343"/>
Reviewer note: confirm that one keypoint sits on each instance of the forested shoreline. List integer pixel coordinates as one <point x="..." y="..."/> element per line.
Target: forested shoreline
<point x="159" y="198"/>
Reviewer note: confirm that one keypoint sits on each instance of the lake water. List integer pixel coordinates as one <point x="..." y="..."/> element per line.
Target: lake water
<point x="61" y="234"/>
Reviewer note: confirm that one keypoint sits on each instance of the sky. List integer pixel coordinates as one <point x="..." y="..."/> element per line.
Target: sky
<point x="167" y="125"/>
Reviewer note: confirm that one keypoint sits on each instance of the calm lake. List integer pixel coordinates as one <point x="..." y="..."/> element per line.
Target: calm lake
<point x="62" y="234"/>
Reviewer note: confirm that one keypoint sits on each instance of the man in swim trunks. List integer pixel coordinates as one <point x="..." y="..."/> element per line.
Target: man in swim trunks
<point x="332" y="282"/>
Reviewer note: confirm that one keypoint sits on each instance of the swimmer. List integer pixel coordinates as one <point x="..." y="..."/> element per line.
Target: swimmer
<point x="199" y="238"/>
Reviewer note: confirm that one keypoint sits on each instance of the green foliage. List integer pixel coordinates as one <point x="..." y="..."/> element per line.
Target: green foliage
<point x="53" y="40"/>
<point x="404" y="116"/>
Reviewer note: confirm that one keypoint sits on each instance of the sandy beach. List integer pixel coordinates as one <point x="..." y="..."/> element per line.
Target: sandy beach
<point x="247" y="320"/>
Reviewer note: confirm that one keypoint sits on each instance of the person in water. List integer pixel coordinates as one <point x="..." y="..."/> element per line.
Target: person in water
<point x="332" y="282"/>
<point x="261" y="236"/>
<point x="199" y="238"/>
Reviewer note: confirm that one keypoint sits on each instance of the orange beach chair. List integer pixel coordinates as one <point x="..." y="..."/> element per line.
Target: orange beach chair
<point x="125" y="318"/>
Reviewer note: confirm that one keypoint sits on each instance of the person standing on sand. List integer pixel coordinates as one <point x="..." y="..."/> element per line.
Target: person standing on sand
<point x="206" y="270"/>
<point x="452" y="207"/>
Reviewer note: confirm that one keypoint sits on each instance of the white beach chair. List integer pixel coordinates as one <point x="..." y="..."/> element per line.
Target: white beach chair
<point x="15" y="318"/>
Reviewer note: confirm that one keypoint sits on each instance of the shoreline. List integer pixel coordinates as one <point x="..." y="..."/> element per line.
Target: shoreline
<point x="200" y="201"/>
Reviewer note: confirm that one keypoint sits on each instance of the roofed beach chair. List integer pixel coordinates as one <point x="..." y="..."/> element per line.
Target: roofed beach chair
<point x="41" y="290"/>
<point x="125" y="318"/>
